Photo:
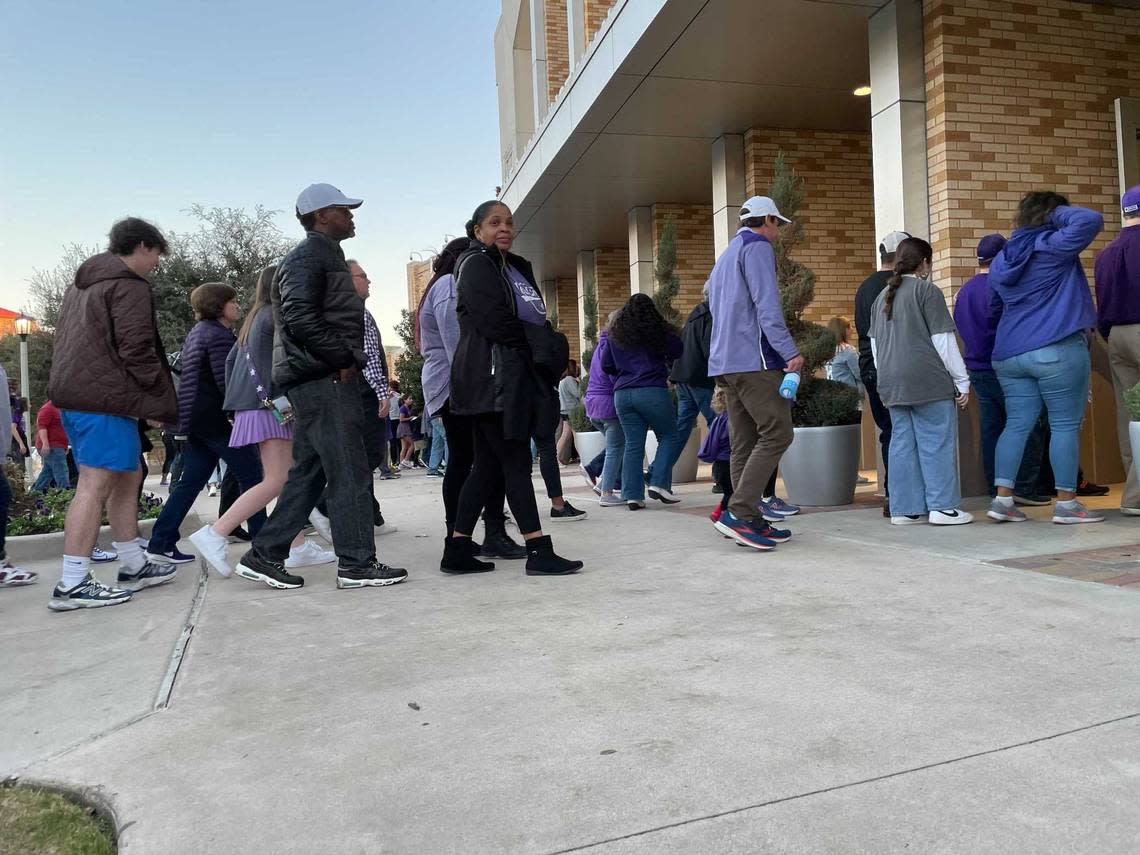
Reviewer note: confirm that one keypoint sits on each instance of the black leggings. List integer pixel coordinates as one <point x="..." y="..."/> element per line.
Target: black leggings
<point x="495" y="455"/>
<point x="460" y="457"/>
<point x="723" y="478"/>
<point x="172" y="450"/>
<point x="547" y="453"/>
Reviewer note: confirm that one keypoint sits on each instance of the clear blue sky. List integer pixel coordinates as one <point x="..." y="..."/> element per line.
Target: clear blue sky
<point x="113" y="108"/>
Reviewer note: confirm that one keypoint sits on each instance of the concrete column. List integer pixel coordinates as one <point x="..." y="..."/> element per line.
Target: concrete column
<point x="538" y="59"/>
<point x="898" y="119"/>
<point x="728" y="184"/>
<point x="586" y="273"/>
<point x="576" y="30"/>
<point x="548" y="288"/>
<point x="641" y="250"/>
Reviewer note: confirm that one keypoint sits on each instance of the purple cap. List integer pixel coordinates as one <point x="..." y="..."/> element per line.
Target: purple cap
<point x="1130" y="201"/>
<point x="989" y="247"/>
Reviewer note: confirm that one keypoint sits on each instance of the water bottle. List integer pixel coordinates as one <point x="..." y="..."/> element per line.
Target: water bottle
<point x="790" y="385"/>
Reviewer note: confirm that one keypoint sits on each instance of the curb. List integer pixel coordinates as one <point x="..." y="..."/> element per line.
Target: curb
<point x="94" y="798"/>
<point x="38" y="547"/>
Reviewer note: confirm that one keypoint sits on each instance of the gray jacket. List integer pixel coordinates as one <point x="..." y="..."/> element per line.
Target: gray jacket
<point x="241" y="387"/>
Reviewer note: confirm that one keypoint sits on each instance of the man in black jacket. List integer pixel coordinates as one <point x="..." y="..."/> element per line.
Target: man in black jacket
<point x="691" y="372"/>
<point x="318" y="351"/>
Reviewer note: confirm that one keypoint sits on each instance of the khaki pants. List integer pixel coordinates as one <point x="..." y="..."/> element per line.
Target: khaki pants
<point x="1124" y="361"/>
<point x="760" y="424"/>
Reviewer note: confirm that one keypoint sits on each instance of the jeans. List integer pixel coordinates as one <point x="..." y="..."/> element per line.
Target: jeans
<point x="691" y="400"/>
<point x="639" y="411"/>
<point x="438" y="445"/>
<point x="1058" y="375"/>
<point x="200" y="458"/>
<point x="924" y="458"/>
<point x="991" y="399"/>
<point x="611" y="454"/>
<point x="54" y="471"/>
<point x="882" y="417"/>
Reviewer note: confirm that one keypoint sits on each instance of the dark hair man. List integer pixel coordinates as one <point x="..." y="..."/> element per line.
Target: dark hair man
<point x="865" y="298"/>
<point x="318" y="353"/>
<point x="109" y="371"/>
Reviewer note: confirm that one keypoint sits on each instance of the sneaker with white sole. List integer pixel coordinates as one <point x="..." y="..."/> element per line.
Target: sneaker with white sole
<point x="662" y="495"/>
<point x="88" y="594"/>
<point x="1129" y="512"/>
<point x="908" y="519"/>
<point x="101" y="556"/>
<point x="386" y="528"/>
<point x="953" y="516"/>
<point x="1005" y="512"/>
<point x="173" y="556"/>
<point x="149" y="575"/>
<point x="257" y="569"/>
<point x="375" y="575"/>
<point x="566" y="513"/>
<point x="611" y="501"/>
<point x="635" y="505"/>
<point x="1075" y="514"/>
<point x="321" y="524"/>
<point x="211" y="548"/>
<point x="308" y="554"/>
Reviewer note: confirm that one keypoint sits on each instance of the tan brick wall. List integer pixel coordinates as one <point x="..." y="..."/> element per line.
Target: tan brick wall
<point x="611" y="277"/>
<point x="1019" y="97"/>
<point x="567" y="293"/>
<point x="838" y="210"/>
<point x="695" y="255"/>
<point x="596" y="12"/>
<point x="557" y="48"/>
<point x="419" y="274"/>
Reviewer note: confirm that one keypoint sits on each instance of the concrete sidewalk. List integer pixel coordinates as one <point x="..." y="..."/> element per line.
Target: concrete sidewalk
<point x="863" y="689"/>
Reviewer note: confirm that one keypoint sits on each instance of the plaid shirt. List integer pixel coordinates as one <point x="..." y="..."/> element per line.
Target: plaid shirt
<point x="375" y="366"/>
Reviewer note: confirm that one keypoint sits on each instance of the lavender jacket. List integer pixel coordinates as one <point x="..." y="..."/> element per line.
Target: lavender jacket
<point x="439" y="334"/>
<point x="599" y="399"/>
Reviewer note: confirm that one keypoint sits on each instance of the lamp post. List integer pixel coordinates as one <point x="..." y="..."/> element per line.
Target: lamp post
<point x="23" y="327"/>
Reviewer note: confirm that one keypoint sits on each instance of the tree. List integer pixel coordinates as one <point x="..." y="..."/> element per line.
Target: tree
<point x="40" y="344"/>
<point x="410" y="363"/>
<point x="47" y="287"/>
<point x="664" y="273"/>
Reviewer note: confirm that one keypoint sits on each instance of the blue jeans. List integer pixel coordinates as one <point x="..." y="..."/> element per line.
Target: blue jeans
<point x="612" y="453"/>
<point x="691" y="400"/>
<point x="438" y="445"/>
<point x="1058" y="375"/>
<point x="924" y="458"/>
<point x="641" y="410"/>
<point x="991" y="400"/>
<point x="55" y="470"/>
<point x="200" y="459"/>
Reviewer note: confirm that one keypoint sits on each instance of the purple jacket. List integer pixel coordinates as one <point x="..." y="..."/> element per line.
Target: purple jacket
<point x="637" y="367"/>
<point x="599" y="398"/>
<point x="716" y="445"/>
<point x="202" y="389"/>
<point x="976" y="314"/>
<point x="1117" y="275"/>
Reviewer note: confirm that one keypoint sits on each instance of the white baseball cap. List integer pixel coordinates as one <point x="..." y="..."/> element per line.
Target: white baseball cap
<point x="317" y="196"/>
<point x="891" y="242"/>
<point x="761" y="206"/>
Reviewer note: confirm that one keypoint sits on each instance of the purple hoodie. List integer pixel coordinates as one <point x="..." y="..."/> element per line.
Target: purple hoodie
<point x="638" y="367"/>
<point x="716" y="445"/>
<point x="599" y="398"/>
<point x="976" y="315"/>
<point x="1118" y="282"/>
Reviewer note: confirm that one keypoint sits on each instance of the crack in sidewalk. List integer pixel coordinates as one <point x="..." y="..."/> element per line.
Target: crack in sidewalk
<point x="850" y="784"/>
<point x="166" y="687"/>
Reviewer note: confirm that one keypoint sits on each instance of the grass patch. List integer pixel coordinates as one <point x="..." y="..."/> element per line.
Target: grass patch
<point x="38" y="822"/>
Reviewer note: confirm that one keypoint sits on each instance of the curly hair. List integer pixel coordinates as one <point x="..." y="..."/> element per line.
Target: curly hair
<point x="639" y="324"/>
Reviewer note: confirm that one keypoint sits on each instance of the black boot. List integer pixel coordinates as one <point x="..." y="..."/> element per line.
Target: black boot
<point x="459" y="557"/>
<point x="541" y="560"/>
<point x="498" y="544"/>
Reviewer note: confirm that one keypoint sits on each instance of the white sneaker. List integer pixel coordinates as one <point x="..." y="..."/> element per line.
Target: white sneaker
<point x="908" y="519"/>
<point x="387" y="528"/>
<point x="950" y="517"/>
<point x="308" y="555"/>
<point x="321" y="524"/>
<point x="662" y="495"/>
<point x="211" y="548"/>
<point x="1130" y="512"/>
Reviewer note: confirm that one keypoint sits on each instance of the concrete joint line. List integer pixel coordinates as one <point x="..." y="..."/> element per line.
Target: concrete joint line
<point x="824" y="790"/>
<point x="166" y="687"/>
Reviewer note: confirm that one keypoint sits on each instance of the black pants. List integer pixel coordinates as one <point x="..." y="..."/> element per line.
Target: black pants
<point x="172" y="449"/>
<point x="882" y="418"/>
<point x="375" y="447"/>
<point x="547" y="453"/>
<point x="511" y="457"/>
<point x="722" y="475"/>
<point x="229" y="492"/>
<point x="461" y="456"/>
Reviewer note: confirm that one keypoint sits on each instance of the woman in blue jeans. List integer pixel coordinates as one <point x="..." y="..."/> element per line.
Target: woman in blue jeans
<point x="641" y="347"/>
<point x="600" y="408"/>
<point x="1041" y="351"/>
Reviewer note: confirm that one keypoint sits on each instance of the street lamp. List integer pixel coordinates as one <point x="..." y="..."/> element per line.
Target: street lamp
<point x="23" y="327"/>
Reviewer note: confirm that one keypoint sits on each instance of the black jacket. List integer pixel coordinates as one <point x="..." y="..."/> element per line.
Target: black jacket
<point x="692" y="368"/>
<point x="865" y="298"/>
<point x="493" y="369"/>
<point x="318" y="316"/>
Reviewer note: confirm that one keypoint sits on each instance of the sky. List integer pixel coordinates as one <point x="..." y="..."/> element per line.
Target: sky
<point x="114" y="108"/>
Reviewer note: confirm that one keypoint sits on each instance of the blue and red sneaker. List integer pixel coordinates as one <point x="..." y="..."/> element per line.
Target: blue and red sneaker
<point x="779" y="506"/>
<point x="744" y="532"/>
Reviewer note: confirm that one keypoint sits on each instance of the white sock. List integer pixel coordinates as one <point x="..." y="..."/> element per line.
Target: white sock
<point x="1068" y="504"/>
<point x="1005" y="500"/>
<point x="76" y="568"/>
<point x="130" y="554"/>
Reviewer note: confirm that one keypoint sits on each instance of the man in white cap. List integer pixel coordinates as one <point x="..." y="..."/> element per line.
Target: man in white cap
<point x="318" y="352"/>
<point x="865" y="298"/>
<point x="750" y="351"/>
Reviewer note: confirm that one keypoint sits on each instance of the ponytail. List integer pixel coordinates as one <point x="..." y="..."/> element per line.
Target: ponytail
<point x="908" y="258"/>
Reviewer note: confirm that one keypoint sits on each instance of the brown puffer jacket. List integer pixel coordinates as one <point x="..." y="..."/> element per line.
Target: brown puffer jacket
<point x="108" y="357"/>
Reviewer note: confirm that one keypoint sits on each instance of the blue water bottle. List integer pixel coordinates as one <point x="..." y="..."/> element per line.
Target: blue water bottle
<point x="790" y="385"/>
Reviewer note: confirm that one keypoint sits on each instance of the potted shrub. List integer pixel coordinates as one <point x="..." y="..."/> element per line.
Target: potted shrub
<point x="1132" y="402"/>
<point x="588" y="440"/>
<point x="821" y="467"/>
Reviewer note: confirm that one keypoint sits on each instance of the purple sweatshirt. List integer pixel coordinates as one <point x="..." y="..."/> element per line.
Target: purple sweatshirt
<point x="599" y="398"/>
<point x="976" y="314"/>
<point x="637" y="367"/>
<point x="716" y="445"/>
<point x="1117" y="276"/>
<point x="748" y="330"/>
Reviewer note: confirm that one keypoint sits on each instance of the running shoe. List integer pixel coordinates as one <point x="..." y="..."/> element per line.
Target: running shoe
<point x="373" y="576"/>
<point x="781" y="507"/>
<point x="101" y="556"/>
<point x="1003" y="512"/>
<point x="149" y="575"/>
<point x="173" y="556"/>
<point x="744" y="532"/>
<point x="1075" y="514"/>
<point x="308" y="554"/>
<point x="88" y="594"/>
<point x="254" y="567"/>
<point x="611" y="501"/>
<point x="769" y="512"/>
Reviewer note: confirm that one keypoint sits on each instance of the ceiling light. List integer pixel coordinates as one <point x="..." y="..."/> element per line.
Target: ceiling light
<point x="862" y="91"/>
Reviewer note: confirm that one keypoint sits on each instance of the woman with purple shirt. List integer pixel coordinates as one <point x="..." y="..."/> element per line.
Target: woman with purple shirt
<point x="641" y="347"/>
<point x="600" y="408"/>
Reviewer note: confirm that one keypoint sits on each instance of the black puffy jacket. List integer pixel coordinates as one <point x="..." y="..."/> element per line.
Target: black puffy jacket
<point x="692" y="368"/>
<point x="318" y="316"/>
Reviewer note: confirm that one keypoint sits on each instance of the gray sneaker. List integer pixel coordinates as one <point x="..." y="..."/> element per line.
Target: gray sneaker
<point x="150" y="575"/>
<point x="1075" y="515"/>
<point x="88" y="594"/>
<point x="1002" y="512"/>
<point x="611" y="501"/>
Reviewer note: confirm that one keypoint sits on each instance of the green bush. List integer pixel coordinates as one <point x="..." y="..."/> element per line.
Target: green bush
<point x="1132" y="402"/>
<point x="579" y="421"/>
<point x="41" y="513"/>
<point x="825" y="403"/>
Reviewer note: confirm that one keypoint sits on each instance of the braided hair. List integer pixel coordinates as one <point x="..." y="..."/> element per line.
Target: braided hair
<point x="908" y="258"/>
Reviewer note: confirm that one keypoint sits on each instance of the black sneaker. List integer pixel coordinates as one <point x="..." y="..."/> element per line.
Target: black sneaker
<point x="150" y="575"/>
<point x="253" y="566"/>
<point x="239" y="534"/>
<point x="375" y="575"/>
<point x="172" y="556"/>
<point x="1032" y="500"/>
<point x="566" y="512"/>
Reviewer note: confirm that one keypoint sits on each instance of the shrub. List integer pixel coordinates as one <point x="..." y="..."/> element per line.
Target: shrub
<point x="579" y="421"/>
<point x="825" y="403"/>
<point x="41" y="513"/>
<point x="1132" y="402"/>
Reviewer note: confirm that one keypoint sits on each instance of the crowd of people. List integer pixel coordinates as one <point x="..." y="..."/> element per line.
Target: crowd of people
<point x="298" y="406"/>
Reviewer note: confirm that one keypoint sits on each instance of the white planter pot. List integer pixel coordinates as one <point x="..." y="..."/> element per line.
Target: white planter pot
<point x="589" y="445"/>
<point x="821" y="466"/>
<point x="1134" y="441"/>
<point x="685" y="469"/>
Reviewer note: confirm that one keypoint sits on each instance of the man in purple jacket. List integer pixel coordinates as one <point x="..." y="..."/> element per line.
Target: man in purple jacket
<point x="1117" y="276"/>
<point x="750" y="351"/>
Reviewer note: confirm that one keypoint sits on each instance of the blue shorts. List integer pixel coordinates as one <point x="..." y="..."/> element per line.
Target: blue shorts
<point x="103" y="441"/>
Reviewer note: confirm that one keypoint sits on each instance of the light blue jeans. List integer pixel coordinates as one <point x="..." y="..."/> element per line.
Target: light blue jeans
<point x="1058" y="375"/>
<point x="438" y="445"/>
<point x="924" y="458"/>
<point x="615" y="453"/>
<point x="691" y="401"/>
<point x="641" y="410"/>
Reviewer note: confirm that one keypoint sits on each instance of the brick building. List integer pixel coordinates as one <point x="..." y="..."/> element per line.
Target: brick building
<point x="932" y="116"/>
<point x="419" y="274"/>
